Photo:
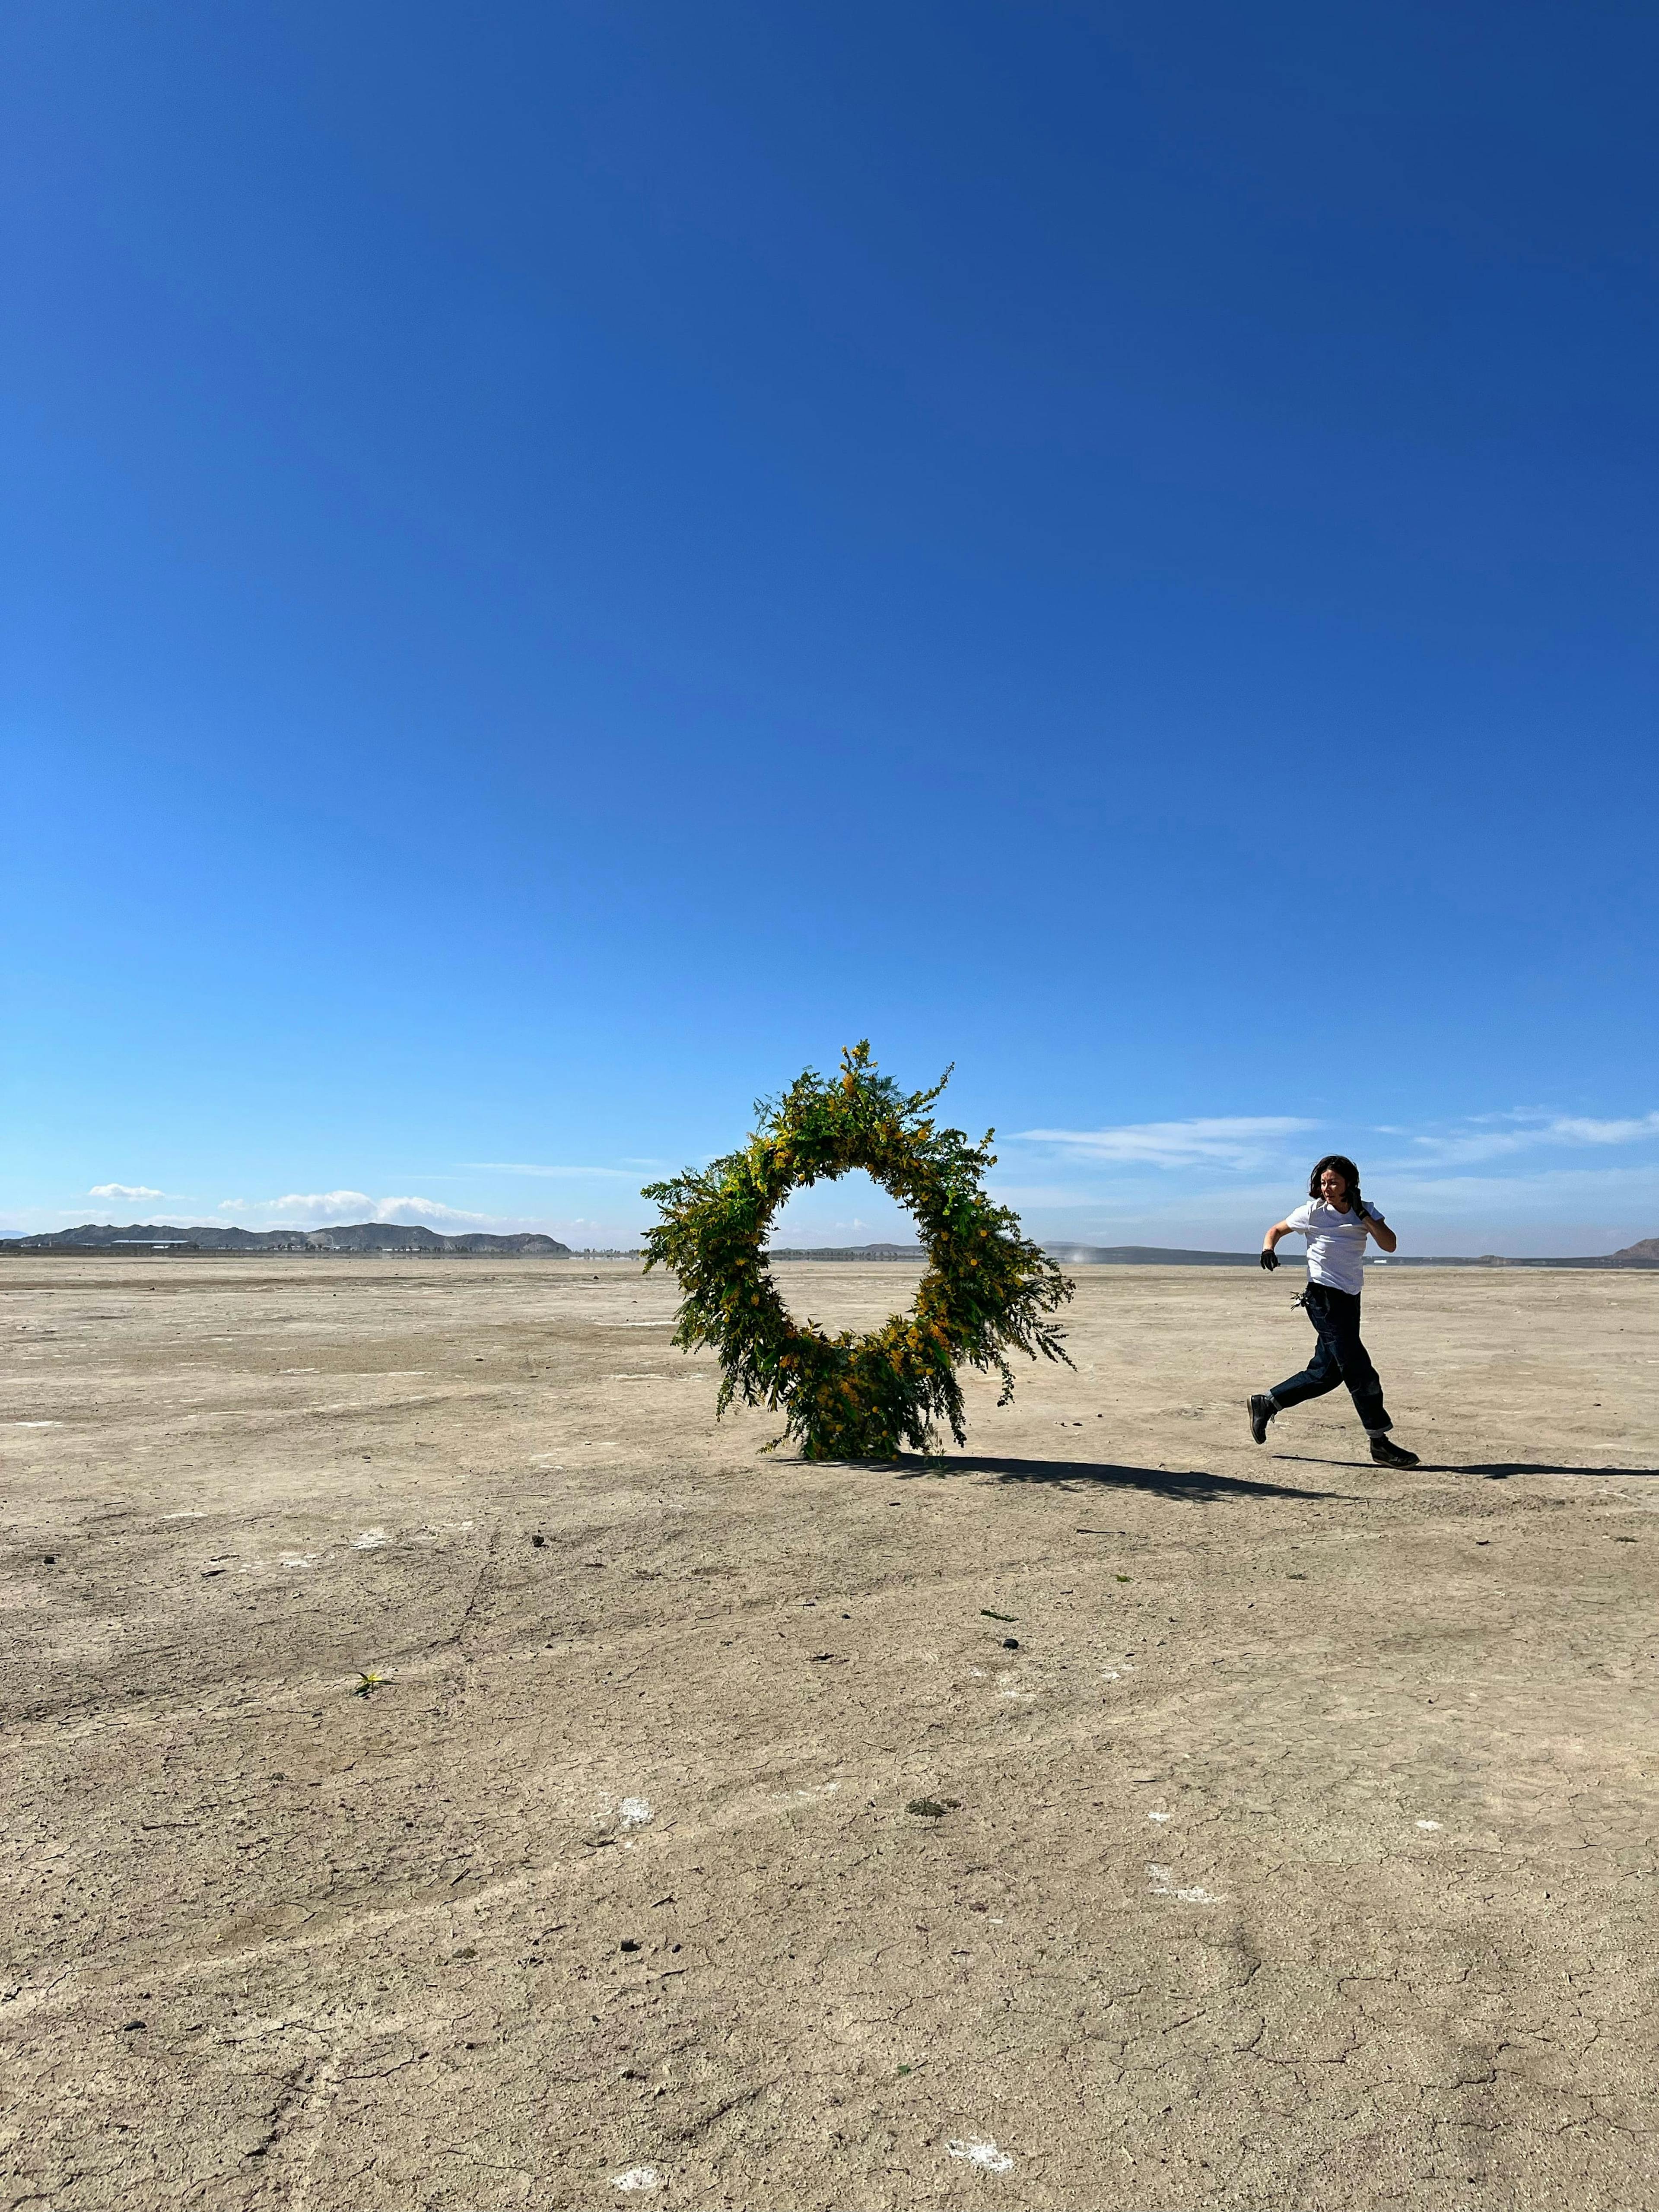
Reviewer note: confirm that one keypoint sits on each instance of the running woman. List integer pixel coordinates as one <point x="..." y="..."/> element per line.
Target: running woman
<point x="1336" y="1221"/>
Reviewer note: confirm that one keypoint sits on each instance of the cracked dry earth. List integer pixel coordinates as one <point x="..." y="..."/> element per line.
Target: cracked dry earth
<point x="1286" y="1835"/>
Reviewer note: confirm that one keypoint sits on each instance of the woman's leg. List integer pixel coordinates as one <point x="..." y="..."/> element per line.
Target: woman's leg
<point x="1341" y="1358"/>
<point x="1322" y="1372"/>
<point x="1354" y="1363"/>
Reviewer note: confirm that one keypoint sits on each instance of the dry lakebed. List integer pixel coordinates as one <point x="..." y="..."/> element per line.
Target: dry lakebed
<point x="444" y="1770"/>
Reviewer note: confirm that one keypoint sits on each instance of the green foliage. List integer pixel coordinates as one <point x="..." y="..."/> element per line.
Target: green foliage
<point x="986" y="1291"/>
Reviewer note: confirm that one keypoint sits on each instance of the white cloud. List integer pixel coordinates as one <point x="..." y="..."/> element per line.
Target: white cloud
<point x="316" y="1206"/>
<point x="324" y="1209"/>
<point x="1575" y="1129"/>
<point x="425" y="1209"/>
<point x="338" y="1203"/>
<point x="1581" y="1210"/>
<point x="527" y="1167"/>
<point x="1487" y="1137"/>
<point x="1211" y="1152"/>
<point x="124" y="1190"/>
<point x="1227" y="1140"/>
<point x="1537" y="1190"/>
<point x="1515" y="1181"/>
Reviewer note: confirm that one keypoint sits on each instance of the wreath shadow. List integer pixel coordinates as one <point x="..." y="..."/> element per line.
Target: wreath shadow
<point x="1191" y="1488"/>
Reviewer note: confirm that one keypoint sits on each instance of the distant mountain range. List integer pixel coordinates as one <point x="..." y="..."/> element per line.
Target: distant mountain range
<point x="1644" y="1255"/>
<point x="846" y="1252"/>
<point x="358" y="1237"/>
<point x="1111" y="1255"/>
<point x="1121" y="1255"/>
<point x="393" y="1236"/>
<point x="1146" y="1255"/>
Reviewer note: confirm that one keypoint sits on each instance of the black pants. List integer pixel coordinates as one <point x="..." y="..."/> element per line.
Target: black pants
<point x="1341" y="1358"/>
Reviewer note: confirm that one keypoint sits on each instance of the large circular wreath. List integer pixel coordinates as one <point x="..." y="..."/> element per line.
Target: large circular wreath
<point x="987" y="1289"/>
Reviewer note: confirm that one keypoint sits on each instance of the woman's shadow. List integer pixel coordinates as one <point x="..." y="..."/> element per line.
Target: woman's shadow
<point x="1194" y="1486"/>
<point x="1499" y="1470"/>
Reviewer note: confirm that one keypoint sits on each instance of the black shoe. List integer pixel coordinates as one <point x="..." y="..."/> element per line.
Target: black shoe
<point x="1262" y="1410"/>
<point x="1387" y="1454"/>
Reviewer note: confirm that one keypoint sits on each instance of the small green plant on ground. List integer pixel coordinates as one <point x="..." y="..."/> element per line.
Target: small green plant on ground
<point x="986" y="1291"/>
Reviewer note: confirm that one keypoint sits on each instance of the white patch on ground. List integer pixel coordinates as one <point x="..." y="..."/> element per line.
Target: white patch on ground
<point x="637" y="1378"/>
<point x="1160" y="1816"/>
<point x="637" y="2177"/>
<point x="370" y="1541"/>
<point x="299" y="1559"/>
<point x="297" y="1370"/>
<point x="635" y="1811"/>
<point x="977" y="2152"/>
<point x="37" y="1425"/>
<point x="823" y="1789"/>
<point x="186" y="1513"/>
<point x="1428" y="1824"/>
<point x="1162" y="1879"/>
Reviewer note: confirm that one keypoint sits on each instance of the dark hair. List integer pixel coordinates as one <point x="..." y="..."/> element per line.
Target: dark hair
<point x="1345" y="1166"/>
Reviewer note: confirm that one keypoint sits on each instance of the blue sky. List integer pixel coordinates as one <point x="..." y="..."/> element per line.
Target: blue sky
<point x="565" y="563"/>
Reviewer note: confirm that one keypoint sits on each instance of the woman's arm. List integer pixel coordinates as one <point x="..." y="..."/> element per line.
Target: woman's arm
<point x="1384" y="1236"/>
<point x="1269" y="1257"/>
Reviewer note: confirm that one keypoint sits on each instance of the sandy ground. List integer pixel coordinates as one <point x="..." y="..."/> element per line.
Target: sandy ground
<point x="1292" y="1840"/>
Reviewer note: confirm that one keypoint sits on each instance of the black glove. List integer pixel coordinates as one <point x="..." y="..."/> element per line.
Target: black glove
<point x="1358" y="1206"/>
<point x="1269" y="1258"/>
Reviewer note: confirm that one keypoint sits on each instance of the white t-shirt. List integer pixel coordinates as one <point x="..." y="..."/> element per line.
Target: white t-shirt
<point x="1336" y="1244"/>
